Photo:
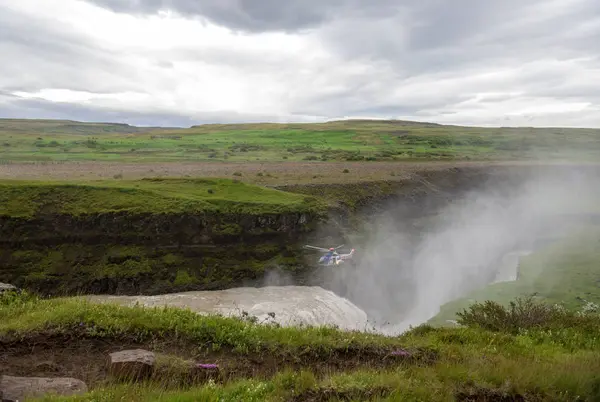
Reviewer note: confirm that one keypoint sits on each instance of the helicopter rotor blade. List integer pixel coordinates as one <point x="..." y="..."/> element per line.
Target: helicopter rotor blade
<point x="316" y="248"/>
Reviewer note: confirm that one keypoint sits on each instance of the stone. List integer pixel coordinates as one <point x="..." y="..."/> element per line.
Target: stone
<point x="135" y="364"/>
<point x="6" y="287"/>
<point x="15" y="389"/>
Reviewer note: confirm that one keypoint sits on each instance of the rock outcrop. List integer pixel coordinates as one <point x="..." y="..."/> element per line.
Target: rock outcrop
<point x="13" y="389"/>
<point x="133" y="364"/>
<point x="140" y="364"/>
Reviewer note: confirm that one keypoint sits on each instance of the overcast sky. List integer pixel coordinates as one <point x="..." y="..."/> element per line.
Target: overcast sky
<point x="184" y="62"/>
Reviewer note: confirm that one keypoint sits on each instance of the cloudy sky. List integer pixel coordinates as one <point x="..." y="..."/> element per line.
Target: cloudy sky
<point x="184" y="62"/>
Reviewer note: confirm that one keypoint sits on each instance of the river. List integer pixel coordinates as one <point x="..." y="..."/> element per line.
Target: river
<point x="291" y="305"/>
<point x="286" y="305"/>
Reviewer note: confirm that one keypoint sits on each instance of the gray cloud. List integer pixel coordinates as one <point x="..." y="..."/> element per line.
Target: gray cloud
<point x="254" y="15"/>
<point x="37" y="53"/>
<point x="464" y="61"/>
<point x="386" y="29"/>
<point x="439" y="35"/>
<point x="443" y="24"/>
<point x="15" y="107"/>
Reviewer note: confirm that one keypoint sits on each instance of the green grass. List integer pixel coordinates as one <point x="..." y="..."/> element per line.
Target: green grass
<point x="565" y="272"/>
<point x="556" y="359"/>
<point x="63" y="315"/>
<point x="565" y="378"/>
<point x="47" y="140"/>
<point x="160" y="196"/>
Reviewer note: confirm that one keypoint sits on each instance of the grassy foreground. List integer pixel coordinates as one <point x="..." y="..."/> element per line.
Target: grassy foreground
<point x="531" y="352"/>
<point x="27" y="198"/>
<point x="353" y="140"/>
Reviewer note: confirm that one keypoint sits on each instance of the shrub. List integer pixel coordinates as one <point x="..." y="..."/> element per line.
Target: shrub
<point x="15" y="298"/>
<point x="522" y="313"/>
<point x="525" y="313"/>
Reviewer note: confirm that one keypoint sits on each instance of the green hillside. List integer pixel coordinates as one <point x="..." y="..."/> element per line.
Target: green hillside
<point x="48" y="140"/>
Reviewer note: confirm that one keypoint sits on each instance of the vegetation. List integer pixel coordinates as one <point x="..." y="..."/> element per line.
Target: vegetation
<point x="350" y="195"/>
<point x="28" y="198"/>
<point x="352" y="140"/>
<point x="531" y="352"/>
<point x="526" y="314"/>
<point x="73" y="268"/>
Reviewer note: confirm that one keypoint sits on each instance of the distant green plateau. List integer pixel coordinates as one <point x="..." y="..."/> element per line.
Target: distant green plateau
<point x="348" y="140"/>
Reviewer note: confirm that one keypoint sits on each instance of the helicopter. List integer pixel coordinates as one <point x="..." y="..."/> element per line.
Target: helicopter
<point x="332" y="257"/>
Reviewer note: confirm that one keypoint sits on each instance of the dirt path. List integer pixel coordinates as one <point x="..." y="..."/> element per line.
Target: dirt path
<point x="275" y="173"/>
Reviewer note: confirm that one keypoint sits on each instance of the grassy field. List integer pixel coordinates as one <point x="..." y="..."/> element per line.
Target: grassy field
<point x="355" y="140"/>
<point x="536" y="353"/>
<point x="27" y="198"/>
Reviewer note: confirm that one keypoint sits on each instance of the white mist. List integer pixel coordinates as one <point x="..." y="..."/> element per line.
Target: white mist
<point x="405" y="277"/>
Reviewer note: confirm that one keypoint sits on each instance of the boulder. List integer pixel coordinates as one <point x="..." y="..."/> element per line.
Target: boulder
<point x="18" y="388"/>
<point x="135" y="364"/>
<point x="6" y="287"/>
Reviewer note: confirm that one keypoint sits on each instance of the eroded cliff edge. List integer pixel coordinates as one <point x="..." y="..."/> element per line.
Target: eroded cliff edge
<point x="166" y="235"/>
<point x="147" y="236"/>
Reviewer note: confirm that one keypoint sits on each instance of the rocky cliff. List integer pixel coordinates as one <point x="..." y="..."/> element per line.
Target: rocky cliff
<point x="154" y="241"/>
